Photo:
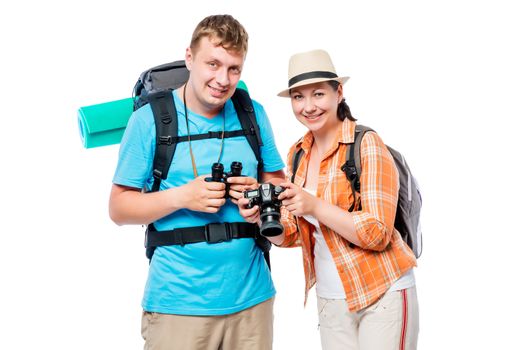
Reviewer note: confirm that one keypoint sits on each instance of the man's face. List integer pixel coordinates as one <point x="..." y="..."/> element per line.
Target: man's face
<point x="215" y="73"/>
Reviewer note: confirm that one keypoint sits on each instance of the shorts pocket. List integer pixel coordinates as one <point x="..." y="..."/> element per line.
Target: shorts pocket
<point x="386" y="309"/>
<point x="330" y="312"/>
<point x="148" y="319"/>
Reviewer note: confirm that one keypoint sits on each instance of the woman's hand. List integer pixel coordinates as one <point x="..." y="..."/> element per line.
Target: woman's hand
<point x="297" y="201"/>
<point x="251" y="215"/>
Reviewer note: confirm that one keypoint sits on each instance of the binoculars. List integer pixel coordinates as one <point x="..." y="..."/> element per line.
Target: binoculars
<point x="218" y="174"/>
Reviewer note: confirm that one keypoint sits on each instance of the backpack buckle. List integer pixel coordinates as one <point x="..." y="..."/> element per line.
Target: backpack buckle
<point x="157" y="174"/>
<point x="166" y="140"/>
<point x="350" y="170"/>
<point x="217" y="232"/>
<point x="214" y="134"/>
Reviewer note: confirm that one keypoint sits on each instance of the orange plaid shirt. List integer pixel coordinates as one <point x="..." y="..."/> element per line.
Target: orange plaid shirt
<point x="366" y="272"/>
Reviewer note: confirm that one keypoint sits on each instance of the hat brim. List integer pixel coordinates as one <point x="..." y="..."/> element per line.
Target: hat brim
<point x="285" y="93"/>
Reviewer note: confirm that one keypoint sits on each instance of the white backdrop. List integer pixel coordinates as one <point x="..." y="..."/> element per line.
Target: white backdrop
<point x="440" y="81"/>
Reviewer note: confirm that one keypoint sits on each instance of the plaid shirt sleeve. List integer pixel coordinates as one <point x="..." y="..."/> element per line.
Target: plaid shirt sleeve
<point x="379" y="183"/>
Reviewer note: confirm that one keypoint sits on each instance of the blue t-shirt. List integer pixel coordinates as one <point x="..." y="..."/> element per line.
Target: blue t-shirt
<point x="200" y="278"/>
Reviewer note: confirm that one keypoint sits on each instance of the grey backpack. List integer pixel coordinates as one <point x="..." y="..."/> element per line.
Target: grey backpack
<point x="407" y="219"/>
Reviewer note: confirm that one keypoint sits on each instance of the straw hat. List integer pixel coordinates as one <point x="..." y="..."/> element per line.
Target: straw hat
<point x="310" y="67"/>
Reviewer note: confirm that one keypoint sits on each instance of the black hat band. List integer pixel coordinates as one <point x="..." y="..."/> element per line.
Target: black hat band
<point x="311" y="75"/>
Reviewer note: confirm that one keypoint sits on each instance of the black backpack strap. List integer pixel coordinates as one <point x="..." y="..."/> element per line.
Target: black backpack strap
<point x="352" y="167"/>
<point x="295" y="162"/>
<point x="166" y="123"/>
<point x="246" y="116"/>
<point x="360" y="131"/>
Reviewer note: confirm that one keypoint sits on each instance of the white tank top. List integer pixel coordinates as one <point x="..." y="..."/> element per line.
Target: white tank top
<point x="329" y="285"/>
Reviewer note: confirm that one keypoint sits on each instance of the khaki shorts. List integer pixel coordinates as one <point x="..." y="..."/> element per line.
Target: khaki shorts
<point x="248" y="329"/>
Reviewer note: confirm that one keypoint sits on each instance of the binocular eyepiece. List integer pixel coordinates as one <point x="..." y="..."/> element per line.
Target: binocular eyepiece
<point x="218" y="174"/>
<point x="266" y="197"/>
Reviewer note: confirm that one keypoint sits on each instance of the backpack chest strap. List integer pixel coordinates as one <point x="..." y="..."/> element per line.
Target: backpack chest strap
<point x="207" y="135"/>
<point x="210" y="233"/>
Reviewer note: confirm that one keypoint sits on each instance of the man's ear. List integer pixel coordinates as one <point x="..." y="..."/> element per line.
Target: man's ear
<point x="189" y="58"/>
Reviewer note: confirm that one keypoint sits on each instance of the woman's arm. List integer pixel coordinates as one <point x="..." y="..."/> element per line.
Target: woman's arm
<point x="379" y="183"/>
<point x="372" y="226"/>
<point x="299" y="203"/>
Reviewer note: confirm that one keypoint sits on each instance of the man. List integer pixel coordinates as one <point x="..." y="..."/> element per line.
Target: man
<point x="201" y="295"/>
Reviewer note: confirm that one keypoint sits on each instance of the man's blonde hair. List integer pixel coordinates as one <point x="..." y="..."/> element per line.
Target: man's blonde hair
<point x="222" y="30"/>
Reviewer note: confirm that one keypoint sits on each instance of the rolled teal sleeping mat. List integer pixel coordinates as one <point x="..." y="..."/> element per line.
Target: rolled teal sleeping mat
<point x="104" y="123"/>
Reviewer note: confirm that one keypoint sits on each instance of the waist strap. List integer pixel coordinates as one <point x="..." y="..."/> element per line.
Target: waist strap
<point x="210" y="233"/>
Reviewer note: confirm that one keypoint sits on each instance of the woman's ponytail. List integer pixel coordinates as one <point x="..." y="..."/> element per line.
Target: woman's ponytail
<point x="343" y="110"/>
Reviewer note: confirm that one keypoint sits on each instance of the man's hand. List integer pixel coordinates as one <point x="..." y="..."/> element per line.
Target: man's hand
<point x="203" y="196"/>
<point x="239" y="184"/>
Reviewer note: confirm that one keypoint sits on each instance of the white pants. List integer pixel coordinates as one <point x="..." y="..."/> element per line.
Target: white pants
<point x="390" y="323"/>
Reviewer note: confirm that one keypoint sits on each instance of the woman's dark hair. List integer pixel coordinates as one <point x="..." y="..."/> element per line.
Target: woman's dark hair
<point x="343" y="111"/>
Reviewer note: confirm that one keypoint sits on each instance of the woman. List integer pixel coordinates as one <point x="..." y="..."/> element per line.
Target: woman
<point x="362" y="268"/>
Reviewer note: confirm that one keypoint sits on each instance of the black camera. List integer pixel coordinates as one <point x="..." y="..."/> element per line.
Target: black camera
<point x="218" y="174"/>
<point x="266" y="197"/>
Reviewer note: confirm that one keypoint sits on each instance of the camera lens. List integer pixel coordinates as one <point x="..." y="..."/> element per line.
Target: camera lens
<point x="271" y="225"/>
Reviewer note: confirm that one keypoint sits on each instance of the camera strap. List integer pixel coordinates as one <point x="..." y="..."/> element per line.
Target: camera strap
<point x="166" y="122"/>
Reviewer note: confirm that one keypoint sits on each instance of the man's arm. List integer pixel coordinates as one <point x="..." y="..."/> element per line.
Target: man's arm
<point x="129" y="205"/>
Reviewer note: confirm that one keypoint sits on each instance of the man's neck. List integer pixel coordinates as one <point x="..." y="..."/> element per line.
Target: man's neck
<point x="193" y="104"/>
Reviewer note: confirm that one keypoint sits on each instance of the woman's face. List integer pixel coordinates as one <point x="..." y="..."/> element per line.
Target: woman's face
<point x="315" y="105"/>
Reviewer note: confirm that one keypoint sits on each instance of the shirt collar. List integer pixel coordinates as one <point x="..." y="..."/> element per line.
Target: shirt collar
<point x="345" y="134"/>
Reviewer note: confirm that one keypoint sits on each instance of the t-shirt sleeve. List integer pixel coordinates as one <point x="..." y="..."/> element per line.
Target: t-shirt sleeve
<point x="270" y="155"/>
<point x="136" y="150"/>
